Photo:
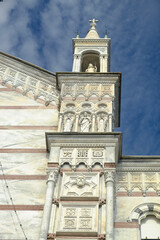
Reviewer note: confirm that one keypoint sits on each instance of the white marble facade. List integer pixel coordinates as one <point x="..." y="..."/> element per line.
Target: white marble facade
<point x="61" y="160"/>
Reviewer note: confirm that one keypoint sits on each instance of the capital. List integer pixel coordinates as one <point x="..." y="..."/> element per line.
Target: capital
<point x="109" y="176"/>
<point x="52" y="175"/>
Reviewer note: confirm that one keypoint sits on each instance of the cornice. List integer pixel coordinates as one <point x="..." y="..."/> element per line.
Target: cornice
<point x="138" y="169"/>
<point x="77" y="139"/>
<point x="18" y="60"/>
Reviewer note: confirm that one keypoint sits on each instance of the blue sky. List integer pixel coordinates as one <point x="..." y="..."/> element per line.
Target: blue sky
<point x="41" y="32"/>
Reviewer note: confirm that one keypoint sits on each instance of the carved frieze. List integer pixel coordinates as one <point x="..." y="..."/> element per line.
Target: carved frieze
<point x="87" y="156"/>
<point x="37" y="87"/>
<point x="87" y="90"/>
<point x="138" y="181"/>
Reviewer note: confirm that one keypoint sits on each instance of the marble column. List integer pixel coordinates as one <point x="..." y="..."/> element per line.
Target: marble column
<point x="110" y="123"/>
<point x="60" y="123"/>
<point x="52" y="178"/>
<point x="109" y="176"/>
<point x="77" y="63"/>
<point x="76" y="123"/>
<point x="74" y="62"/>
<point x="101" y="63"/>
<point x="93" y="123"/>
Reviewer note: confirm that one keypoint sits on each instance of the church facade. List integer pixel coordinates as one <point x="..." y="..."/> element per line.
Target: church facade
<point x="63" y="175"/>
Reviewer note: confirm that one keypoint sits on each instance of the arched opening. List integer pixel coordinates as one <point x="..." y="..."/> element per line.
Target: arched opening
<point x="150" y="228"/>
<point x="90" y="58"/>
<point x="148" y="217"/>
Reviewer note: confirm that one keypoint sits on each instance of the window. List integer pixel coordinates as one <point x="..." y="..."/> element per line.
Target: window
<point x="150" y="228"/>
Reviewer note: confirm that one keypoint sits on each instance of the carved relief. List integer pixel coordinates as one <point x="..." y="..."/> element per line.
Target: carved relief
<point x="136" y="182"/>
<point x="82" y="153"/>
<point x="85" y="223"/>
<point x="80" y="185"/>
<point x="2" y="68"/>
<point x="86" y="213"/>
<point x="78" y="218"/>
<point x="122" y="177"/>
<point x="76" y="156"/>
<point x="150" y="177"/>
<point x="101" y="122"/>
<point x="70" y="212"/>
<point x="70" y="223"/>
<point x="27" y="84"/>
<point x="97" y="153"/>
<point x="136" y="177"/>
<point x="87" y="90"/>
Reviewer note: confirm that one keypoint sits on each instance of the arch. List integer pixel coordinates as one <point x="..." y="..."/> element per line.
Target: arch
<point x="143" y="210"/>
<point x="90" y="57"/>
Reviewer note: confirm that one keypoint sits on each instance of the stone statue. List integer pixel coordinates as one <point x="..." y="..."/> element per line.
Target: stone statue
<point x="85" y="122"/>
<point x="101" y="123"/>
<point x="91" y="68"/>
<point x="68" y="122"/>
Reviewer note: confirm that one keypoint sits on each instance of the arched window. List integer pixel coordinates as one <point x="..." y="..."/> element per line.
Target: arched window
<point x="150" y="227"/>
<point x="148" y="217"/>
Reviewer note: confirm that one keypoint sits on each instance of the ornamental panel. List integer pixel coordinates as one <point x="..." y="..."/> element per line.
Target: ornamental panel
<point x="80" y="217"/>
<point x="80" y="185"/>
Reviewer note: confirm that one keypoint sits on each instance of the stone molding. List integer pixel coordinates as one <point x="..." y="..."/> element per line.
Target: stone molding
<point x="138" y="169"/>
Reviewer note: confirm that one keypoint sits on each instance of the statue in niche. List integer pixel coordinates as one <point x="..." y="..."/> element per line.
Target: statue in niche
<point x="101" y="122"/>
<point x="68" y="123"/>
<point x="85" y="122"/>
<point x="91" y="68"/>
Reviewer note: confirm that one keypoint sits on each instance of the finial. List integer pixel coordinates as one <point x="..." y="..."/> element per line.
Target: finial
<point x="106" y="32"/>
<point x="77" y="33"/>
<point x="93" y="23"/>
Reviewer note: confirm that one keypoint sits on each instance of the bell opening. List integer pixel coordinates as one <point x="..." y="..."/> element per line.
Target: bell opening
<point x="90" y="62"/>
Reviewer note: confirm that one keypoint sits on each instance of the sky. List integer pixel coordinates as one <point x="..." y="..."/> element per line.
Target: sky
<point x="41" y="32"/>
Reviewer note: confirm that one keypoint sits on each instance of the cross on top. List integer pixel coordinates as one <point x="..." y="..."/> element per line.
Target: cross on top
<point x="93" y="23"/>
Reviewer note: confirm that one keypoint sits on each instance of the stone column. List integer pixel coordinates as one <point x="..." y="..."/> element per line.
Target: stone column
<point x="110" y="123"/>
<point x="60" y="123"/>
<point x="77" y="63"/>
<point x="101" y="63"/>
<point x="74" y="63"/>
<point x="76" y="123"/>
<point x="52" y="178"/>
<point x="93" y="123"/>
<point x="109" y="176"/>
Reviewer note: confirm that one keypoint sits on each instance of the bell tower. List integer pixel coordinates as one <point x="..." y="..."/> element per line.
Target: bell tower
<point x="85" y="149"/>
<point x="92" y="53"/>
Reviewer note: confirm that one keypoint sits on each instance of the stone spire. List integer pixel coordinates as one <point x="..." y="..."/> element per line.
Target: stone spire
<point x="92" y="33"/>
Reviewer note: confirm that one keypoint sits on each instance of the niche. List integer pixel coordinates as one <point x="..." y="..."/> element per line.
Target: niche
<point x="90" y="58"/>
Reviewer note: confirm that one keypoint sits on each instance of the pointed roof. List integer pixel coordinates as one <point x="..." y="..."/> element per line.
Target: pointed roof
<point x="92" y="33"/>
